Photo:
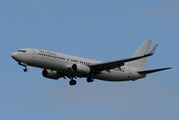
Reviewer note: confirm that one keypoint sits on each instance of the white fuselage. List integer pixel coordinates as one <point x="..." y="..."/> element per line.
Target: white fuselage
<point x="62" y="62"/>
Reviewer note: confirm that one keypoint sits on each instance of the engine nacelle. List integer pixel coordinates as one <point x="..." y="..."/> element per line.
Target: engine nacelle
<point x="51" y="74"/>
<point x="80" y="69"/>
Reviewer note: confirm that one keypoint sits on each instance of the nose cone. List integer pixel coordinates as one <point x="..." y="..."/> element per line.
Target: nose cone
<point x="14" y="55"/>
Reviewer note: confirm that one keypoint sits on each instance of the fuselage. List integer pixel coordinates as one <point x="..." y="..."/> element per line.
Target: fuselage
<point x="62" y="64"/>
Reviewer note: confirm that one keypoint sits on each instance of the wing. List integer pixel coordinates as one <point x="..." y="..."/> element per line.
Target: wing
<point x="110" y="65"/>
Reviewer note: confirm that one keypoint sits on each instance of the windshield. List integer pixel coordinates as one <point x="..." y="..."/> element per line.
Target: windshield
<point x="21" y="51"/>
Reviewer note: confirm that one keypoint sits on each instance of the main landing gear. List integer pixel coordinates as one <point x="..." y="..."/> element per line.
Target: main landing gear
<point x="72" y="82"/>
<point x="90" y="78"/>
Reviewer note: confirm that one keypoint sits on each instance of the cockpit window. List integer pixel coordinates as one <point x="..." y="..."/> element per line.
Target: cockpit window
<point x="21" y="51"/>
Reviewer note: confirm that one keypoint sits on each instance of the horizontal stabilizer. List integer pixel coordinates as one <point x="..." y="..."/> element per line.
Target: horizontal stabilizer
<point x="152" y="71"/>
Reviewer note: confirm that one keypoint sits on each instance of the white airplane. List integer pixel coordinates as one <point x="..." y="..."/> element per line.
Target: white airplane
<point x="56" y="65"/>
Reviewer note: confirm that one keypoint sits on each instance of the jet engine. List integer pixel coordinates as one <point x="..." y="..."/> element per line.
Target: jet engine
<point x="80" y="69"/>
<point x="51" y="74"/>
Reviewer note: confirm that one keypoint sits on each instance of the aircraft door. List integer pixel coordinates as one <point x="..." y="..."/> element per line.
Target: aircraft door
<point x="34" y="54"/>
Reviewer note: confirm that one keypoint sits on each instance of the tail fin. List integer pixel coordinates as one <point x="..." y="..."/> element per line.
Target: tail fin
<point x="142" y="50"/>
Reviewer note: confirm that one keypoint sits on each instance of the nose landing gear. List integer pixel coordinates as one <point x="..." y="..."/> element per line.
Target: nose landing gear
<point x="25" y="69"/>
<point x="23" y="64"/>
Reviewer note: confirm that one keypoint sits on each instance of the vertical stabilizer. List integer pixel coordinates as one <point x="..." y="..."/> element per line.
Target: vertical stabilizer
<point x="142" y="50"/>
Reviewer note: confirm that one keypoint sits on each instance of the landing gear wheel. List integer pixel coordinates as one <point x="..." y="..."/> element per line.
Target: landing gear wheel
<point x="25" y="69"/>
<point x="72" y="82"/>
<point x="90" y="79"/>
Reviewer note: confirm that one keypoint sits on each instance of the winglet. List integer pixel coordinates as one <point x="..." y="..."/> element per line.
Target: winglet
<point x="153" y="50"/>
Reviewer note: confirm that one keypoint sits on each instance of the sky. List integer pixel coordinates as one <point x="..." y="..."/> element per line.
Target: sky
<point x="103" y="30"/>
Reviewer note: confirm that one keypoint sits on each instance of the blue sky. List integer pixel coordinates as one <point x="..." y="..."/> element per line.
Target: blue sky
<point x="102" y="30"/>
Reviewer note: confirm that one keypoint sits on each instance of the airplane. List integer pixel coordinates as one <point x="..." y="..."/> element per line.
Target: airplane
<point x="58" y="65"/>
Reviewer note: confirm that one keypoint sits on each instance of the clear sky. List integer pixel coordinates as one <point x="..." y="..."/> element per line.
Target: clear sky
<point x="104" y="30"/>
